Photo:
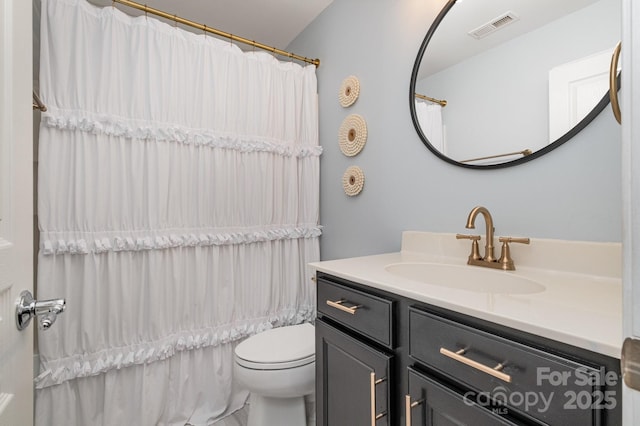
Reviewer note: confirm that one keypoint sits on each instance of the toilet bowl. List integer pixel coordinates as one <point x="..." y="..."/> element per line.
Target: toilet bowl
<point x="277" y="366"/>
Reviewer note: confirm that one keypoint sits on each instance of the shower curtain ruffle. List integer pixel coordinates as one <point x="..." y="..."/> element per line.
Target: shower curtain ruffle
<point x="86" y="122"/>
<point x="178" y="186"/>
<point x="86" y="365"/>
<point x="52" y="243"/>
<point x="430" y="118"/>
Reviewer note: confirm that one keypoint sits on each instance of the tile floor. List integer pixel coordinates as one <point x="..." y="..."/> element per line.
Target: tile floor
<point x="239" y="418"/>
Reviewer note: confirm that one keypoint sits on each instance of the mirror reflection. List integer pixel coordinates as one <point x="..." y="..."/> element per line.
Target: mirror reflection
<point x="497" y="81"/>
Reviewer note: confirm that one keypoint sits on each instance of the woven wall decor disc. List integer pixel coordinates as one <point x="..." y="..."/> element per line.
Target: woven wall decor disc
<point x="349" y="91"/>
<point x="353" y="181"/>
<point x="352" y="135"/>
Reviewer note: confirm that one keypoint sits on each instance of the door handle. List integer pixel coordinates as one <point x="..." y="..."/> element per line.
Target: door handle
<point x="630" y="363"/>
<point x="27" y="307"/>
<point x="613" y="83"/>
<point x="373" y="382"/>
<point x="408" y="405"/>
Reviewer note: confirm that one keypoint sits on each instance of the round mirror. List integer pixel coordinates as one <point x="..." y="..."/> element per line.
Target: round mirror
<point x="500" y="82"/>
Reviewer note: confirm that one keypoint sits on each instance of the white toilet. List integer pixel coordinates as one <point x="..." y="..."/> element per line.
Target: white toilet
<point x="278" y="368"/>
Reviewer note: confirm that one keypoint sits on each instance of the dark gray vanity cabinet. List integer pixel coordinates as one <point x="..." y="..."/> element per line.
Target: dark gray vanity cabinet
<point x="430" y="402"/>
<point x="410" y="363"/>
<point x="354" y="357"/>
<point x="531" y="382"/>
<point x="354" y="384"/>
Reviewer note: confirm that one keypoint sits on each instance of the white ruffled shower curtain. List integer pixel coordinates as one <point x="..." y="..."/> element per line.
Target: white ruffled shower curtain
<point x="430" y="119"/>
<point x="178" y="208"/>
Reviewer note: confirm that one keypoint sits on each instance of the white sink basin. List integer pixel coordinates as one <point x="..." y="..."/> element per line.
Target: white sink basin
<point x="469" y="278"/>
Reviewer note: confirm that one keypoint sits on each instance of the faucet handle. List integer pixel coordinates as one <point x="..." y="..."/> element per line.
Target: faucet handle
<point x="475" y="250"/>
<point x="505" y="256"/>
<point x="507" y="240"/>
<point x="467" y="237"/>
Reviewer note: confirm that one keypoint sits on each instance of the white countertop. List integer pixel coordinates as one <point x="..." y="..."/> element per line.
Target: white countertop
<point x="581" y="304"/>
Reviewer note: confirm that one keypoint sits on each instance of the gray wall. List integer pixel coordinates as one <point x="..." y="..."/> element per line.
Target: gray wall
<point x="572" y="193"/>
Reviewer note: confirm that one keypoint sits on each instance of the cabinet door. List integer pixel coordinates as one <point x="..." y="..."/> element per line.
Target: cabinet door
<point x="352" y="380"/>
<point x="430" y="403"/>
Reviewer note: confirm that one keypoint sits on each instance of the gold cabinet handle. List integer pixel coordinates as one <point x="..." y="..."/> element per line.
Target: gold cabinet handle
<point x="495" y="371"/>
<point x="408" y="405"/>
<point x="374" y="416"/>
<point x="613" y="83"/>
<point x="338" y="304"/>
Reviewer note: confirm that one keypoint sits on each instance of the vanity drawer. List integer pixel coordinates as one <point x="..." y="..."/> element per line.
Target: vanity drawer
<point x="534" y="383"/>
<point x="364" y="313"/>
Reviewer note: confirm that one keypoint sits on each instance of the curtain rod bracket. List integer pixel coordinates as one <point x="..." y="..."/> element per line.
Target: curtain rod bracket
<point x="37" y="103"/>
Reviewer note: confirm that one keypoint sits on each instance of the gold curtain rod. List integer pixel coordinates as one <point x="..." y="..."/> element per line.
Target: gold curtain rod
<point x="441" y="102"/>
<point x="524" y="153"/>
<point x="206" y="29"/>
<point x="37" y="103"/>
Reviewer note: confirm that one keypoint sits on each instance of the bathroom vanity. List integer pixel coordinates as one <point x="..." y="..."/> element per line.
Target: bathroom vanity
<point x="420" y="338"/>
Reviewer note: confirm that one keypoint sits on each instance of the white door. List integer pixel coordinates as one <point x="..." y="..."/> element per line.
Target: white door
<point x="630" y="97"/>
<point x="16" y="209"/>
<point x="575" y="88"/>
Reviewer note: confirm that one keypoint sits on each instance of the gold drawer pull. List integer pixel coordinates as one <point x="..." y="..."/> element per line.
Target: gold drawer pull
<point x="375" y="417"/>
<point x="408" y="405"/>
<point x="339" y="305"/>
<point x="495" y="371"/>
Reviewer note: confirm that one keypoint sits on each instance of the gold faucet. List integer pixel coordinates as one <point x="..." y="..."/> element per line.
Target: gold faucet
<point x="488" y="220"/>
<point x="489" y="260"/>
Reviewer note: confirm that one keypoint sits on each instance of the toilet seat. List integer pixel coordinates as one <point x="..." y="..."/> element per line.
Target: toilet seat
<point x="278" y="349"/>
<point x="275" y="365"/>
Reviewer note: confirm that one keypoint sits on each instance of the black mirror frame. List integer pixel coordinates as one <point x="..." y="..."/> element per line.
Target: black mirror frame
<point x="412" y="88"/>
